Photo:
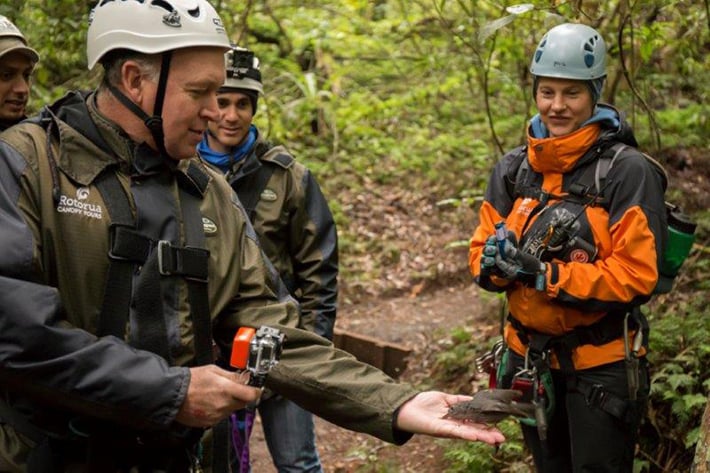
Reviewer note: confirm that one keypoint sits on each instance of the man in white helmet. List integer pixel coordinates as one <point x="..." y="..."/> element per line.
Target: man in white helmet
<point x="127" y="268"/>
<point x="297" y="232"/>
<point x="17" y="61"/>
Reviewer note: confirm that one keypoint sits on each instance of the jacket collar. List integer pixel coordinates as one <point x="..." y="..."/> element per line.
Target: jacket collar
<point x="89" y="143"/>
<point x="560" y="154"/>
<point x="83" y="153"/>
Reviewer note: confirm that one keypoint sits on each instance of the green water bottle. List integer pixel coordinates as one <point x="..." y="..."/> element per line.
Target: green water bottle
<point x="681" y="235"/>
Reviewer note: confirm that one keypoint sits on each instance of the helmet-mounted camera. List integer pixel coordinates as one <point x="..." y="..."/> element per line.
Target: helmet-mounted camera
<point x="242" y="70"/>
<point x="242" y="61"/>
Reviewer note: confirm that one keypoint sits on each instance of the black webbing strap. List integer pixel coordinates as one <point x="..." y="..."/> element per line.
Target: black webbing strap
<point x="597" y="395"/>
<point x="113" y="316"/>
<point x="221" y="446"/>
<point x="185" y="261"/>
<point x="249" y="189"/>
<point x="127" y="248"/>
<point x="197" y="286"/>
<point x="605" y="330"/>
<point x="599" y="333"/>
<point x="149" y="330"/>
<point x="199" y="301"/>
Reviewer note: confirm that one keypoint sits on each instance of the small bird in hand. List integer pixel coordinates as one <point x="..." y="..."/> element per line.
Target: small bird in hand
<point x="490" y="406"/>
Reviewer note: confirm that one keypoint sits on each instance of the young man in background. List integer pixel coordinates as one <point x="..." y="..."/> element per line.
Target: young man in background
<point x="296" y="231"/>
<point x="17" y="61"/>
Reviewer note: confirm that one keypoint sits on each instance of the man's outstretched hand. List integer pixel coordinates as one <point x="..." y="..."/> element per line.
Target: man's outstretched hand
<point x="424" y="414"/>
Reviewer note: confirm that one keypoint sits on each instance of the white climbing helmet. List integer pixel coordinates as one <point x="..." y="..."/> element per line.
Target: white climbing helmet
<point x="152" y="26"/>
<point x="570" y="51"/>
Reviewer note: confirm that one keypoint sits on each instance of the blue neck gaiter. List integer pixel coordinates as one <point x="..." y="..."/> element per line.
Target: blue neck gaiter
<point x="224" y="161"/>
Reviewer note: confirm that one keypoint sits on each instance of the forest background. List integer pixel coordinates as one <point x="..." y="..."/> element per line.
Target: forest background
<point x="401" y="108"/>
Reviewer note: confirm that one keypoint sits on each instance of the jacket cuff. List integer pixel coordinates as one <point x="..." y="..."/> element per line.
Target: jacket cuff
<point x="553" y="272"/>
<point x="400" y="437"/>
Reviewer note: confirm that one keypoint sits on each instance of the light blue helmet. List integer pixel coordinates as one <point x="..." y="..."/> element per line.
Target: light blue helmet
<point x="570" y="51"/>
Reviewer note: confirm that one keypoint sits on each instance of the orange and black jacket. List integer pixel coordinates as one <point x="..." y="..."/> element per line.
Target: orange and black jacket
<point x="627" y="234"/>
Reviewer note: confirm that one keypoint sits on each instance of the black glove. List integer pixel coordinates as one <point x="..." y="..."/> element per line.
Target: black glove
<point x="493" y="264"/>
<point x="488" y="257"/>
<point x="514" y="264"/>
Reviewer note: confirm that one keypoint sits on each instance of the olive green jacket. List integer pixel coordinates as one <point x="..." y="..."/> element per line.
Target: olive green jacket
<point x="53" y="270"/>
<point x="295" y="227"/>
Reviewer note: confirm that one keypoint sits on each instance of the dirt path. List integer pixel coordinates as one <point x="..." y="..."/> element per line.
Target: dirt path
<point x="421" y="323"/>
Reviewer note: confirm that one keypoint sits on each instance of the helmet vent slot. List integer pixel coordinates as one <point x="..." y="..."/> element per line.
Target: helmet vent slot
<point x="164" y="5"/>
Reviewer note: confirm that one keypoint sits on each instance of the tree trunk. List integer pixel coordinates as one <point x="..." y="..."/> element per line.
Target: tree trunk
<point x="701" y="463"/>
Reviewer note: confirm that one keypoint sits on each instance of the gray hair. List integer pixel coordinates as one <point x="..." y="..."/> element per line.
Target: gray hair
<point x="149" y="65"/>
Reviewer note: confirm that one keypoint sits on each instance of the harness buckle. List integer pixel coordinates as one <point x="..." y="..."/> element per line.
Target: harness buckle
<point x="166" y="261"/>
<point x="189" y="262"/>
<point x="597" y="396"/>
<point x="117" y="231"/>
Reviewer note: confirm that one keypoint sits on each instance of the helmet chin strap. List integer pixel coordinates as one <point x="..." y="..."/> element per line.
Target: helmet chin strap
<point x="154" y="123"/>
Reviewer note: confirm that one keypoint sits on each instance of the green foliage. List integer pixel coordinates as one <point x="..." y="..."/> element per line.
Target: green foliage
<point x="57" y="29"/>
<point x="687" y="126"/>
<point x="475" y="457"/>
<point x="456" y="361"/>
<point x="680" y="360"/>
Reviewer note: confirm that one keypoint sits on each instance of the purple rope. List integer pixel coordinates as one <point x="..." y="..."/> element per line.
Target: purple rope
<point x="241" y="431"/>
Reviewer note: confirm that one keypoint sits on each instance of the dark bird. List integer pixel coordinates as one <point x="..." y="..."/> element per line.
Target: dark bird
<point x="490" y="406"/>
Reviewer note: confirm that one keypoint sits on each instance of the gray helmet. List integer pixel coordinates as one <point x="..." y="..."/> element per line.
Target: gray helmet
<point x="152" y="26"/>
<point x="570" y="51"/>
<point x="12" y="40"/>
<point x="242" y="70"/>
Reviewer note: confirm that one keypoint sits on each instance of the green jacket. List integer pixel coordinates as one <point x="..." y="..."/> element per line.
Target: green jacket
<point x="295" y="227"/>
<point x="53" y="269"/>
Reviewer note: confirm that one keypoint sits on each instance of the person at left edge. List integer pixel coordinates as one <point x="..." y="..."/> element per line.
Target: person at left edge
<point x="123" y="257"/>
<point x="17" y="61"/>
<point x="297" y="232"/>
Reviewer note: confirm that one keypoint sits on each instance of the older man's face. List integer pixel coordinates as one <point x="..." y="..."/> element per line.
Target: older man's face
<point x="190" y="98"/>
<point x="15" y="74"/>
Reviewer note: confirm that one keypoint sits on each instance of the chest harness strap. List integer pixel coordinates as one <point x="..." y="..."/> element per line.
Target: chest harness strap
<point x="129" y="249"/>
<point x="254" y="180"/>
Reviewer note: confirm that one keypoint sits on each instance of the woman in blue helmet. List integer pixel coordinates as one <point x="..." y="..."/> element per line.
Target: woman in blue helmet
<point x="574" y="333"/>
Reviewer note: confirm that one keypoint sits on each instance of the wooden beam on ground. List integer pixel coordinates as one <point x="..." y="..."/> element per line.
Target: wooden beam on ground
<point x="389" y="357"/>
